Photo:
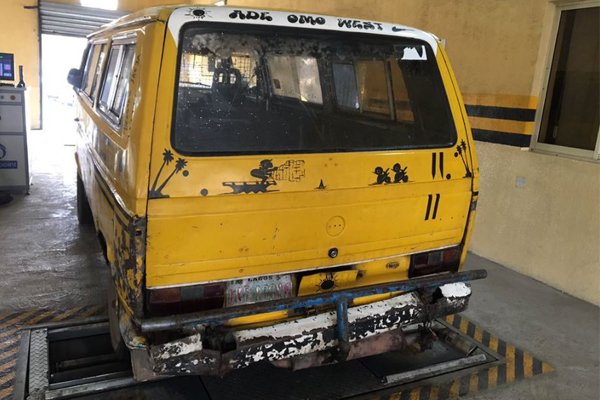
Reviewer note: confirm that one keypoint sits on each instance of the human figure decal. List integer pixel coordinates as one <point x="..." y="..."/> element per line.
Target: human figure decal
<point x="384" y="178"/>
<point x="267" y="175"/>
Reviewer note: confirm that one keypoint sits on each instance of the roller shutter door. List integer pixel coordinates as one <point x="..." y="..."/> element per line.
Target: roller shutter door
<point x="72" y="19"/>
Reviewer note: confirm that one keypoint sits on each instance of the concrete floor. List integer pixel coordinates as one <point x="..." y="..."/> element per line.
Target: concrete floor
<point x="49" y="261"/>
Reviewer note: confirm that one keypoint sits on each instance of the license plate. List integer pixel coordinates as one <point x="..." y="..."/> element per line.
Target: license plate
<point x="259" y="288"/>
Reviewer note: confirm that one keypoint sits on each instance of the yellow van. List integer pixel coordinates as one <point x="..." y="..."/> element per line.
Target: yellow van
<point x="272" y="186"/>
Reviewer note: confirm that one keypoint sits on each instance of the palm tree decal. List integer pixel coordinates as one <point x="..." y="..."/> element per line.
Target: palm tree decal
<point x="180" y="164"/>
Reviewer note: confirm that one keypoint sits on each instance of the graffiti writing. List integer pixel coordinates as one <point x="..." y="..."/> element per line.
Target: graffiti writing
<point x="253" y="15"/>
<point x="364" y="25"/>
<point x="305" y="19"/>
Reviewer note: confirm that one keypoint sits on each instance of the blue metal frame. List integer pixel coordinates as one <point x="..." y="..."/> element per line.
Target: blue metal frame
<point x="339" y="298"/>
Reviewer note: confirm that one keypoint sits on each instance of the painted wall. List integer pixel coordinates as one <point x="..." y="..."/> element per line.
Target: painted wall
<point x="499" y="62"/>
<point x="546" y="225"/>
<point x="540" y="215"/>
<point x="537" y="214"/>
<point x="19" y="35"/>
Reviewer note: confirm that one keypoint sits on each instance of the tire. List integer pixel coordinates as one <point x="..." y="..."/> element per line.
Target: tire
<point x="84" y="212"/>
<point x="116" y="338"/>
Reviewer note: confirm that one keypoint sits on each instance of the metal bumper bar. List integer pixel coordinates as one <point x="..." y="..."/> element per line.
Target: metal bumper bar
<point x="340" y="299"/>
<point x="336" y="335"/>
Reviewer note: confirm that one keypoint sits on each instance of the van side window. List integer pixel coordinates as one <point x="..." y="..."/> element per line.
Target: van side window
<point x="116" y="81"/>
<point x="296" y="77"/>
<point x="374" y="96"/>
<point x="98" y="71"/>
<point x="91" y="66"/>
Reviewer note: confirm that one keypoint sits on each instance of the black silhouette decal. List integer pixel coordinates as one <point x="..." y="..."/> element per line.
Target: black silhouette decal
<point x="399" y="173"/>
<point x="435" y="206"/>
<point x="264" y="171"/>
<point x="383" y="175"/>
<point x="180" y="164"/>
<point x="461" y="150"/>
<point x="268" y="175"/>
<point x="434" y="165"/>
<point x="321" y="186"/>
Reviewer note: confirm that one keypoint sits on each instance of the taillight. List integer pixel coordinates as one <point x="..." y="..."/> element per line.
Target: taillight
<point x="223" y="294"/>
<point x="432" y="262"/>
<point x="186" y="299"/>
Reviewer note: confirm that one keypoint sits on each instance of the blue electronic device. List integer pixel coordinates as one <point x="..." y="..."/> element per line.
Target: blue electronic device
<point x="7" y="67"/>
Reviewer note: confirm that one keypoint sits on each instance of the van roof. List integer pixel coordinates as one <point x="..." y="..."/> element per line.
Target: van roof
<point x="181" y="14"/>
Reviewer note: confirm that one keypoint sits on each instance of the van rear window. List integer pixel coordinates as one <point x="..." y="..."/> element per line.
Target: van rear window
<point x="257" y="92"/>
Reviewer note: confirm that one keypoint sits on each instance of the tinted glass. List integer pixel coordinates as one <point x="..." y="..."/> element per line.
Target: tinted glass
<point x="98" y="71"/>
<point x="111" y="75"/>
<point x="296" y="92"/>
<point x="123" y="81"/>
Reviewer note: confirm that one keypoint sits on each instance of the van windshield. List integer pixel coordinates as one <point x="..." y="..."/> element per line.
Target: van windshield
<point x="257" y="92"/>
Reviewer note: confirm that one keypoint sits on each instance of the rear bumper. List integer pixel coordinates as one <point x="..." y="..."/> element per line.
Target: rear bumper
<point x="336" y="335"/>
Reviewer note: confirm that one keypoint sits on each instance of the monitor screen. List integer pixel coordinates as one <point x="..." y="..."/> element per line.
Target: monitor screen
<point x="7" y="67"/>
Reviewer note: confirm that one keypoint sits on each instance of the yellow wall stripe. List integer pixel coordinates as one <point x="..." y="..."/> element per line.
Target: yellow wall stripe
<point x="502" y="125"/>
<point x="501" y="100"/>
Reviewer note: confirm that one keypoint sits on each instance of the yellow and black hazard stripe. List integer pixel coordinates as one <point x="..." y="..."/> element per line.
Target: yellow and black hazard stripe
<point x="502" y="119"/>
<point x="11" y="322"/>
<point x="518" y="364"/>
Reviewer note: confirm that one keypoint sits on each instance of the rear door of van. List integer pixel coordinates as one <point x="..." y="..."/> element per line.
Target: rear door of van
<point x="278" y="150"/>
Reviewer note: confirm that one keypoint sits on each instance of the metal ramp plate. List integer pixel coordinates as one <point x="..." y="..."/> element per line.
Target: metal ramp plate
<point x="74" y="360"/>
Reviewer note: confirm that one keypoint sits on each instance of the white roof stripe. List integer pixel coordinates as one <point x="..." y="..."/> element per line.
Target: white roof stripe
<point x="292" y="20"/>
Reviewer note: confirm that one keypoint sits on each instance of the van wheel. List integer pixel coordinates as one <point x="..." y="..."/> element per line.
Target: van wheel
<point x="116" y="339"/>
<point x="84" y="212"/>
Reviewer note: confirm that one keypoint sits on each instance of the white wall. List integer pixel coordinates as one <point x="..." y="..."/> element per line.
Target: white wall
<point x="540" y="215"/>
